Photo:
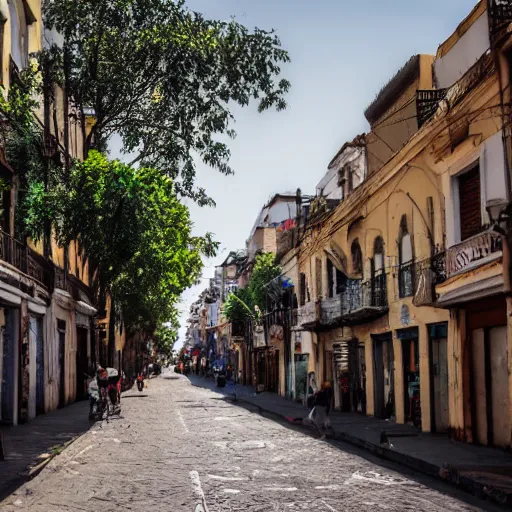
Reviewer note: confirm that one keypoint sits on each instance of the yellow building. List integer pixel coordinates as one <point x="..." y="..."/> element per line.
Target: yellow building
<point x="404" y="284"/>
<point x="46" y="302"/>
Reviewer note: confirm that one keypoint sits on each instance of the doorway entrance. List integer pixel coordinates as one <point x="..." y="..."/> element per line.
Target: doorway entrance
<point x="490" y="386"/>
<point x="61" y="333"/>
<point x="411" y="375"/>
<point x="82" y="363"/>
<point x="438" y="334"/>
<point x="384" y="378"/>
<point x="8" y="400"/>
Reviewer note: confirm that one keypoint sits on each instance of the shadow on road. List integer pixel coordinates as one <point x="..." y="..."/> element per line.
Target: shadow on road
<point x="28" y="446"/>
<point x="294" y="424"/>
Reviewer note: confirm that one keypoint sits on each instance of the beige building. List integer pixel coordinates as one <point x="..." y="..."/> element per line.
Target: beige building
<point x="404" y="283"/>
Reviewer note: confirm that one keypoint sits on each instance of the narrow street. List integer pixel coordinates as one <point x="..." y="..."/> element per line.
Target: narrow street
<point x="179" y="447"/>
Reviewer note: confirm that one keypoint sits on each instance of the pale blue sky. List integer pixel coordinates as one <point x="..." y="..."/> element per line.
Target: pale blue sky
<point x="342" y="53"/>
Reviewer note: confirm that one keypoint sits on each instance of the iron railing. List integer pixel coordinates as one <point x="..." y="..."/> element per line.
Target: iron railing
<point x="308" y="313"/>
<point x="406" y="279"/>
<point x="20" y="256"/>
<point x="473" y="252"/>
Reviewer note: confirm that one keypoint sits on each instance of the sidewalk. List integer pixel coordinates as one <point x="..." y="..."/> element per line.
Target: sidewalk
<point x="25" y="444"/>
<point x="479" y="470"/>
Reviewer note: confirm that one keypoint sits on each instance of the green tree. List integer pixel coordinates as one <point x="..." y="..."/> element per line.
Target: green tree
<point x="165" y="337"/>
<point x="248" y="303"/>
<point x="238" y="306"/>
<point x="135" y="231"/>
<point x="163" y="77"/>
<point x="265" y="269"/>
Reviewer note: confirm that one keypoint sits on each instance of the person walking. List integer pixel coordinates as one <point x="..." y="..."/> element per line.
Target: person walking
<point x="319" y="415"/>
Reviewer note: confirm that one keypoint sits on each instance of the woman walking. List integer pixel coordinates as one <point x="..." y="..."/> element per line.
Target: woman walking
<point x="319" y="416"/>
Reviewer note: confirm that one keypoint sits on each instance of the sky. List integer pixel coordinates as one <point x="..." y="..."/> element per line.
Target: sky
<point x="342" y="52"/>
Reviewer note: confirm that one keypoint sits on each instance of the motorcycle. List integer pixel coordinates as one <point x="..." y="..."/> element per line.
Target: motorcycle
<point x="114" y="391"/>
<point x="140" y="382"/>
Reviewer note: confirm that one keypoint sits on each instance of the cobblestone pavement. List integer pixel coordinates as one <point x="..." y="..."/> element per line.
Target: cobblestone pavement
<point x="183" y="448"/>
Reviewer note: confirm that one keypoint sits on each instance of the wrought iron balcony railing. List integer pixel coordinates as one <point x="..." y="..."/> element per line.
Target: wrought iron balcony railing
<point x="308" y="313"/>
<point x="406" y="279"/>
<point x="19" y="255"/>
<point x="473" y="253"/>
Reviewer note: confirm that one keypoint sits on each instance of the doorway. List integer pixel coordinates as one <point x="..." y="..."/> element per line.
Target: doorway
<point x="36" y="363"/>
<point x="61" y="333"/>
<point x="439" y="377"/>
<point x="490" y="386"/>
<point x="8" y="401"/>
<point x="384" y="379"/>
<point x="82" y="362"/>
<point x="411" y="375"/>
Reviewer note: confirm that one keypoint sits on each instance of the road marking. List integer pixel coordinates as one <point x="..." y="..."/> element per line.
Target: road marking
<point x="227" y="478"/>
<point x="282" y="489"/>
<point x="231" y="491"/>
<point x="327" y="487"/>
<point x="198" y="490"/>
<point x="183" y="422"/>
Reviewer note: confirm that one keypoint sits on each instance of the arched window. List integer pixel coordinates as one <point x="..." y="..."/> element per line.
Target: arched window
<point x="357" y="258"/>
<point x="405" y="261"/>
<point x="19" y="33"/>
<point x="378" y="291"/>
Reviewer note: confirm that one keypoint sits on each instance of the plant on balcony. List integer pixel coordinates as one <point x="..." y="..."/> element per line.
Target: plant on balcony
<point x="248" y="303"/>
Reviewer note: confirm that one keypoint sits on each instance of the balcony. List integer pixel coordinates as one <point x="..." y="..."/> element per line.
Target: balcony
<point x="23" y="258"/>
<point x="474" y="270"/>
<point x="308" y="315"/>
<point x="331" y="310"/>
<point x="472" y="253"/>
<point x="358" y="303"/>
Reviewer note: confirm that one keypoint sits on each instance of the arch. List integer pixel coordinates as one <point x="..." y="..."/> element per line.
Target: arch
<point x="378" y="254"/>
<point x="357" y="258"/>
<point x="405" y="248"/>
<point x="19" y="33"/>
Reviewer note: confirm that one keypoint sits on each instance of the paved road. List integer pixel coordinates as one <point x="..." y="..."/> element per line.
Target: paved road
<point x="184" y="448"/>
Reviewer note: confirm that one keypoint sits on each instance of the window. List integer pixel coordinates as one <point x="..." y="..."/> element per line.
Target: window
<point x="341" y="281"/>
<point x="470" y="205"/>
<point x="405" y="260"/>
<point x="19" y="33"/>
<point x="378" y="290"/>
<point x="330" y="278"/>
<point x="302" y="290"/>
<point x="357" y="258"/>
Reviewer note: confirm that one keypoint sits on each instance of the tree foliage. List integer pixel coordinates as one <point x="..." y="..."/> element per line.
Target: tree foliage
<point x="165" y="337"/>
<point x="136" y="231"/>
<point x="163" y="78"/>
<point x="247" y="303"/>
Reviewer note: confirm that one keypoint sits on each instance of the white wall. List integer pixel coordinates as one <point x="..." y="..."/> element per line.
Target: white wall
<point x="328" y="186"/>
<point x="470" y="47"/>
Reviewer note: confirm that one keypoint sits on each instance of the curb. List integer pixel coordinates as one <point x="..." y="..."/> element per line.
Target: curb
<point x="445" y="474"/>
